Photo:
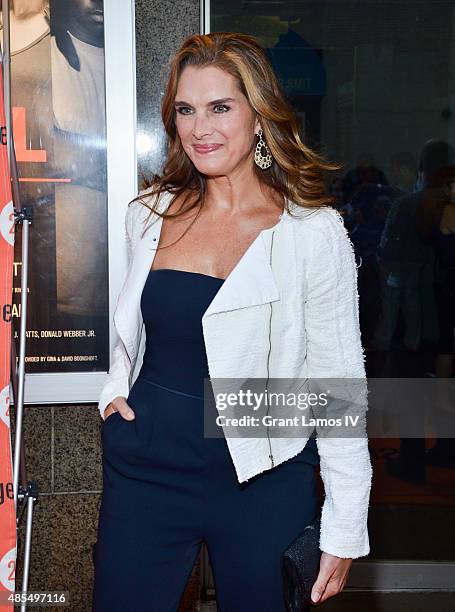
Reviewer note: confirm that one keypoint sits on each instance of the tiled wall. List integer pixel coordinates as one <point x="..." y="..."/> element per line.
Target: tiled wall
<point x="62" y="443"/>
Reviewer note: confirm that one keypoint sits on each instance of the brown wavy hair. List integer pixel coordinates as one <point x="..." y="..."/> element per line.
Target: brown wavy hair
<point x="297" y="172"/>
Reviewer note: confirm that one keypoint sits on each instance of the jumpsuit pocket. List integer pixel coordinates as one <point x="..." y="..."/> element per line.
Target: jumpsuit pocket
<point x="132" y="441"/>
<point x="109" y="425"/>
<point x="111" y="417"/>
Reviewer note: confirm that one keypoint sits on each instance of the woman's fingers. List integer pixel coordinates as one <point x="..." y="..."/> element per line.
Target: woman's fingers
<point x="119" y="404"/>
<point x="332" y="577"/>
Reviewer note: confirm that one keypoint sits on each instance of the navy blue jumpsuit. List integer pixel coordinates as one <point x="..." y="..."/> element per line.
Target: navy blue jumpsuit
<point x="167" y="488"/>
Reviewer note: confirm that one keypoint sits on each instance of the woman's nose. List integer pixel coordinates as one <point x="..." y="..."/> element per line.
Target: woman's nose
<point x="202" y="127"/>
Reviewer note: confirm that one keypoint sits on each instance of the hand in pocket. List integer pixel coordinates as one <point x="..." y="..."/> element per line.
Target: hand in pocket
<point x="119" y="404"/>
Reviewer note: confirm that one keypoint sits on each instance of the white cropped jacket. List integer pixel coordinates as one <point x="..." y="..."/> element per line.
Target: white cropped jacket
<point x="310" y="280"/>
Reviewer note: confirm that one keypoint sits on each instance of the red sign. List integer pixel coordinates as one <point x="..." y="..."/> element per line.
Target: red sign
<point x="7" y="510"/>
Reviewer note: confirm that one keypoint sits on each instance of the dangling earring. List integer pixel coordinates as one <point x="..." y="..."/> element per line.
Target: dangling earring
<point x="263" y="161"/>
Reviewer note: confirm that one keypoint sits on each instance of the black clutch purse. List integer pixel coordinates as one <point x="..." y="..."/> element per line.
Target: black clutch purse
<point x="300" y="567"/>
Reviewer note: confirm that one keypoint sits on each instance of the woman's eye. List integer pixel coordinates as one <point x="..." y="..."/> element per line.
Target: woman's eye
<point x="218" y="108"/>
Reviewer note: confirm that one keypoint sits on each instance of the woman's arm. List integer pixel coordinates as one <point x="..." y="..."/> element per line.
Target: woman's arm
<point x="334" y="351"/>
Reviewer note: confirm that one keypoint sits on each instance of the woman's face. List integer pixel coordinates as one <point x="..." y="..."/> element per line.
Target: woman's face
<point x="214" y="120"/>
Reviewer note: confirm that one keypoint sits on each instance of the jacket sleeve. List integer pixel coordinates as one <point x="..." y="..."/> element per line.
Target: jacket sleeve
<point x="118" y="377"/>
<point x="334" y="350"/>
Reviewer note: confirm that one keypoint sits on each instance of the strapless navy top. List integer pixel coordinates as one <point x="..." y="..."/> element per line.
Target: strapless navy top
<point x="172" y="304"/>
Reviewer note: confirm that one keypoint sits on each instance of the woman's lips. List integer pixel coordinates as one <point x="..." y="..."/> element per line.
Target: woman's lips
<point x="208" y="148"/>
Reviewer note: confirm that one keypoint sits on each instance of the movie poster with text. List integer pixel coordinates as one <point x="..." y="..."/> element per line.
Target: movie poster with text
<point x="59" y="125"/>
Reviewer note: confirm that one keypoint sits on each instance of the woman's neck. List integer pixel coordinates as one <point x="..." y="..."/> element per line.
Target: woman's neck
<point x="24" y="32"/>
<point x="240" y="192"/>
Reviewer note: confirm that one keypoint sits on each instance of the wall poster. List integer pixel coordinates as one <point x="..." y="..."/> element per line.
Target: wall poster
<point x="58" y="90"/>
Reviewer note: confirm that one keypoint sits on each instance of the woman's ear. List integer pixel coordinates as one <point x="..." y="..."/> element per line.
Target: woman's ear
<point x="257" y="126"/>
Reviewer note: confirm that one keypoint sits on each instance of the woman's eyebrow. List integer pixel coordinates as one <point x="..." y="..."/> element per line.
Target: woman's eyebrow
<point x="220" y="101"/>
<point x="212" y="103"/>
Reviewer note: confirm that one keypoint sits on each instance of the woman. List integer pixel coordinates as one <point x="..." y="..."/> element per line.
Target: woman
<point x="248" y="275"/>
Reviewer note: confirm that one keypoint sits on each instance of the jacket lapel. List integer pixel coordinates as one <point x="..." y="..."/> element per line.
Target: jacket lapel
<point x="250" y="283"/>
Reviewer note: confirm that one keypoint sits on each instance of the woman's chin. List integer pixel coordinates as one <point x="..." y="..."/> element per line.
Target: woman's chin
<point x="210" y="170"/>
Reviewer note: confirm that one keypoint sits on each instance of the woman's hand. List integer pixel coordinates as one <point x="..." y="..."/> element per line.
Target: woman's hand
<point x="119" y="404"/>
<point x="333" y="574"/>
